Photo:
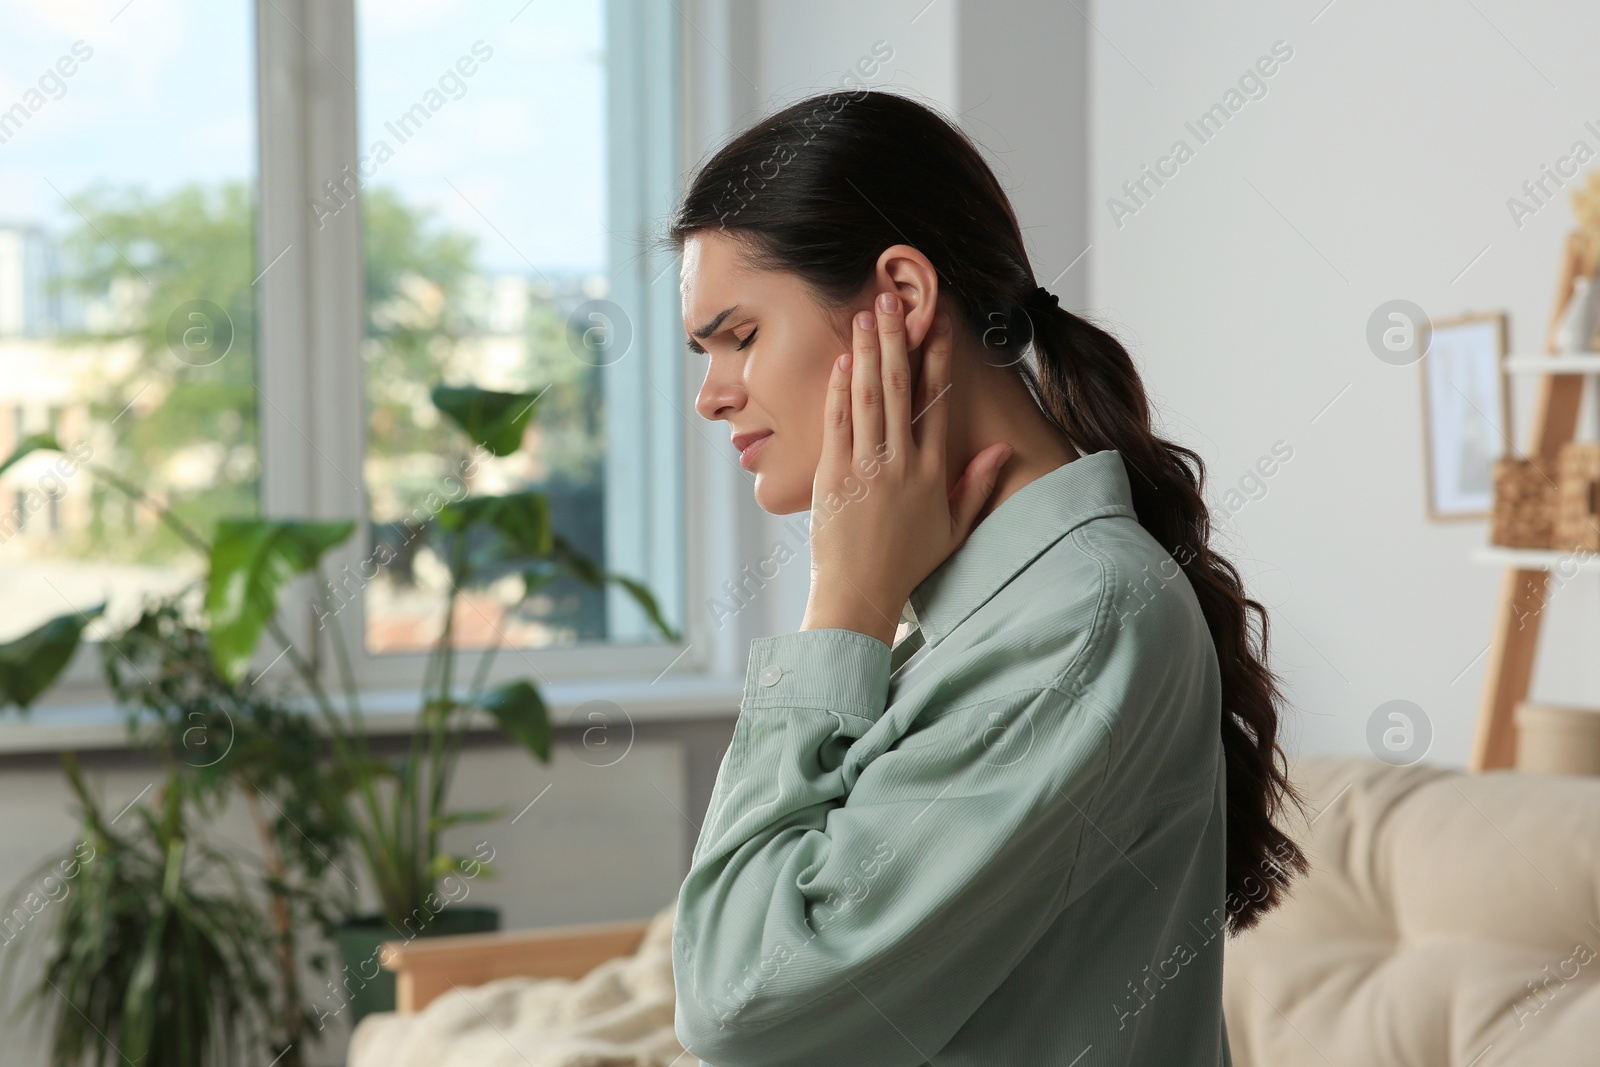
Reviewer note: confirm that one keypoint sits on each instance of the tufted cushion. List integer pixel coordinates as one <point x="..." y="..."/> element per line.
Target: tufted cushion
<point x="1449" y="919"/>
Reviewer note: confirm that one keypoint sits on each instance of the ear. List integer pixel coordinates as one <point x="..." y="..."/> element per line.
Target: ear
<point x="912" y="277"/>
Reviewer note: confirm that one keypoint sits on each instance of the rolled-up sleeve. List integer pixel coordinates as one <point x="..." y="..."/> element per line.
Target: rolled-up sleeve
<point x="853" y="899"/>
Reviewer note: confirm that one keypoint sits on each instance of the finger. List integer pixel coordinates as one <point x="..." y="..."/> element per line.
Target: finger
<point x="977" y="484"/>
<point x="866" y="387"/>
<point x="932" y="401"/>
<point x="896" y="374"/>
<point x="836" y="425"/>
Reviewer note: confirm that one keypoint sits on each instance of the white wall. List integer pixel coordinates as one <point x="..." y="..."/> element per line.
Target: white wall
<point x="1022" y="93"/>
<point x="809" y="47"/>
<point x="1376" y="167"/>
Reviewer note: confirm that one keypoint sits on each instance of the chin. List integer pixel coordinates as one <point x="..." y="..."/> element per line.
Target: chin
<point x="778" y="496"/>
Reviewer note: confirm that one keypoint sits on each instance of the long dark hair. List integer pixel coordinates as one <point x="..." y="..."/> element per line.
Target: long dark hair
<point x="821" y="188"/>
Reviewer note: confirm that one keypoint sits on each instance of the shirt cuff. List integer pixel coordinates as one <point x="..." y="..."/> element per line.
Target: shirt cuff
<point x="829" y="669"/>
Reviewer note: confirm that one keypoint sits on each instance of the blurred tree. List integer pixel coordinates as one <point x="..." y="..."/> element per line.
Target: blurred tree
<point x="414" y="275"/>
<point x="183" y="413"/>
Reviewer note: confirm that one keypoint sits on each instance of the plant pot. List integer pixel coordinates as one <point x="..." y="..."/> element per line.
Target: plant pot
<point x="1557" y="740"/>
<point x="359" y="940"/>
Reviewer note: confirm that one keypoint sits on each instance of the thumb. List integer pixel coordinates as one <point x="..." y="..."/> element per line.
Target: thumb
<point x="976" y="486"/>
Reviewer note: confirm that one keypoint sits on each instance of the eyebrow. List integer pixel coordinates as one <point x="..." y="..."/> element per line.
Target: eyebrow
<point x="710" y="328"/>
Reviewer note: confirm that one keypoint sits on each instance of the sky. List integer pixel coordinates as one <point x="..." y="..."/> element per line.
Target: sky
<point x="515" y="156"/>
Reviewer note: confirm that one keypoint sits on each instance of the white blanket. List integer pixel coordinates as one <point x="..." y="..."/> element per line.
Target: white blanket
<point x="617" y="1015"/>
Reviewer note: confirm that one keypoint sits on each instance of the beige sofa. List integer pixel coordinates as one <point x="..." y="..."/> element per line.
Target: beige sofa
<point x="1452" y="919"/>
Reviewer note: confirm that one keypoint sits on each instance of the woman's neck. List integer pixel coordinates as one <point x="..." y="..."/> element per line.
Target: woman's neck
<point x="992" y="404"/>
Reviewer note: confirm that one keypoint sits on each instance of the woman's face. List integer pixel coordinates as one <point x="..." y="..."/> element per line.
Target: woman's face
<point x="771" y="349"/>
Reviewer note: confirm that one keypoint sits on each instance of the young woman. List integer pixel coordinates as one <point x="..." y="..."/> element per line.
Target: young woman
<point x="1018" y="834"/>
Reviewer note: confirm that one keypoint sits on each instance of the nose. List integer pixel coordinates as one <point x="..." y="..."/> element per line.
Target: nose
<point x="721" y="394"/>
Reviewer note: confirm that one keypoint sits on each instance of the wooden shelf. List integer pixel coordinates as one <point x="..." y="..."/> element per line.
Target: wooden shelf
<point x="1519" y="614"/>
<point x="1565" y="363"/>
<point x="1537" y="559"/>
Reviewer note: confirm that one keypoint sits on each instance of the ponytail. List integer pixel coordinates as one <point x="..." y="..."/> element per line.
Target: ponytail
<point x="1087" y="384"/>
<point x="821" y="188"/>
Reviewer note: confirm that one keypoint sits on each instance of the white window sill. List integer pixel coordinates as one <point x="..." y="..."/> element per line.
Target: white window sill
<point x="103" y="725"/>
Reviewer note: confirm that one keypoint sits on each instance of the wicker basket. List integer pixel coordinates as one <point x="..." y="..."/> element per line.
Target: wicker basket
<point x="1524" y="505"/>
<point x="1577" y="525"/>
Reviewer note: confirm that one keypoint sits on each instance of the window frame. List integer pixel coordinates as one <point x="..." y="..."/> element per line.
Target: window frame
<point x="313" y="411"/>
<point x="312" y="423"/>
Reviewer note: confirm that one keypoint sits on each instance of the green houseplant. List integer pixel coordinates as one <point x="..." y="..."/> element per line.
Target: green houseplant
<point x="241" y="741"/>
<point x="152" y="952"/>
<point x="217" y="940"/>
<point x="389" y="811"/>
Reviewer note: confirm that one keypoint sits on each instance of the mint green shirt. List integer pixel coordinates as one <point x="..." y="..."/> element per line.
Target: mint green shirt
<point x="999" y="843"/>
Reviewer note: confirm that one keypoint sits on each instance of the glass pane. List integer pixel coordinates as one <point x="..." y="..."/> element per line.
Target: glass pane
<point x="482" y="182"/>
<point x="127" y="300"/>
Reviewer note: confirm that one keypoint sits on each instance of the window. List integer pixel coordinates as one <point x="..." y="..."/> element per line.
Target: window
<point x="472" y="133"/>
<point x="127" y="309"/>
<point x="285" y="261"/>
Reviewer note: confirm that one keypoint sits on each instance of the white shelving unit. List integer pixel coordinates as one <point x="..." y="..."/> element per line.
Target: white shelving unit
<point x="1565" y="363"/>
<point x="1537" y="559"/>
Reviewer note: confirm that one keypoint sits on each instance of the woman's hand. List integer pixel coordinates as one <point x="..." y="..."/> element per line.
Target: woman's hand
<point x="883" y="516"/>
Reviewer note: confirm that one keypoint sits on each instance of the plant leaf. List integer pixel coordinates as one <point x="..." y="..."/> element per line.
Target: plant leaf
<point x="138" y="1015"/>
<point x="29" y="664"/>
<point x="536" y="578"/>
<point x="457" y="818"/>
<point x="37" y="442"/>
<point x="587" y="571"/>
<point x="647" y="603"/>
<point x="494" y="420"/>
<point x="251" y="561"/>
<point x="522" y="519"/>
<point x="577" y="564"/>
<point x="521" y="712"/>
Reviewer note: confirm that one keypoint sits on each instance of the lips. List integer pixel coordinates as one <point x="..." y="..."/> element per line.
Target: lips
<point x="749" y="444"/>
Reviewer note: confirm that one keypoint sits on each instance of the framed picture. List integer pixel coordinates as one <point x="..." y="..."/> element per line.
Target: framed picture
<point x="1466" y="414"/>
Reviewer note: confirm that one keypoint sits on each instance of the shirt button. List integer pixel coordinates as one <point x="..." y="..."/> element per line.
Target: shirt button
<point x="770" y="674"/>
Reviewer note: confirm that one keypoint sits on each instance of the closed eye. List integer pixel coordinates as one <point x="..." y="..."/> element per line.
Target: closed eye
<point x="695" y="347"/>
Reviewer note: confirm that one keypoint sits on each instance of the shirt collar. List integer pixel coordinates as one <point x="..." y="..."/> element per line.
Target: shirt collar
<point x="1012" y="536"/>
